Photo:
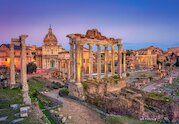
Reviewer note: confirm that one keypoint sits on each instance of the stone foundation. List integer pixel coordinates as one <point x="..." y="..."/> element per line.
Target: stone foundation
<point x="26" y="98"/>
<point x="76" y="90"/>
<point x="103" y="86"/>
<point x="124" y="102"/>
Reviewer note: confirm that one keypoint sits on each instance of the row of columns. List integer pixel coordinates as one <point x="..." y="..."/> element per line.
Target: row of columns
<point x="64" y="68"/>
<point x="23" y="74"/>
<point x="76" y="61"/>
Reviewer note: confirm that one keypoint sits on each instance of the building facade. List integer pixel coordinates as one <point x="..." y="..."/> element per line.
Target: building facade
<point x="5" y="55"/>
<point x="50" y="50"/>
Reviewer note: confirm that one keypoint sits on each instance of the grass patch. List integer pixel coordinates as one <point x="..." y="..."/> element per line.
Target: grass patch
<point x="159" y="96"/>
<point x="13" y="96"/>
<point x="46" y="112"/>
<point x="127" y="120"/>
<point x="177" y="93"/>
<point x="10" y="96"/>
<point x="34" y="87"/>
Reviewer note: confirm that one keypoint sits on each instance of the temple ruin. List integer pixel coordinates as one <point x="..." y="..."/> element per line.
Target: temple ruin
<point x="91" y="38"/>
<point x="23" y="75"/>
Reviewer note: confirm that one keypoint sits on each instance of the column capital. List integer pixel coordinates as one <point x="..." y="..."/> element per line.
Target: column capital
<point x="98" y="44"/>
<point x="120" y="45"/>
<point x="23" y="36"/>
<point x="124" y="51"/>
<point x="105" y="45"/>
<point x="119" y="40"/>
<point x="90" y="44"/>
<point x="112" y="45"/>
<point x="71" y="43"/>
<point x="81" y="44"/>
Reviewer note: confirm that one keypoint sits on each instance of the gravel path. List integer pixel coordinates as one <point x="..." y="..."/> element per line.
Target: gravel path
<point x="80" y="114"/>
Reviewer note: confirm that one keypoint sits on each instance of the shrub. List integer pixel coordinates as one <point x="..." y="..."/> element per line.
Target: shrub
<point x="64" y="91"/>
<point x="115" y="77"/>
<point x="31" y="67"/>
<point x="127" y="74"/>
<point x="167" y="64"/>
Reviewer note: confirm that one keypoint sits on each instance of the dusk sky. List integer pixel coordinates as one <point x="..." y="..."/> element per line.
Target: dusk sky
<point x="140" y="23"/>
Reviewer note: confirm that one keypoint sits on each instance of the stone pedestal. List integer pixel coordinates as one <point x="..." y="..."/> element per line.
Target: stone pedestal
<point x="76" y="90"/>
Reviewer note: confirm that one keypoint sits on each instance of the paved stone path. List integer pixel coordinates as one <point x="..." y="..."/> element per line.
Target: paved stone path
<point x="80" y="114"/>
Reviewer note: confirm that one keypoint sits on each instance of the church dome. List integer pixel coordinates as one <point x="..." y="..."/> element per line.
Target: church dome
<point x="50" y="38"/>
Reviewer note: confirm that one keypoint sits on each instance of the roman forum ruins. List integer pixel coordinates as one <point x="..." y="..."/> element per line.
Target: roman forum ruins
<point x="93" y="37"/>
<point x="23" y="75"/>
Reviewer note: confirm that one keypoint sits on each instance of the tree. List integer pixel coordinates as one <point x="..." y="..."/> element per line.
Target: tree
<point x="31" y="67"/>
<point x="168" y="64"/>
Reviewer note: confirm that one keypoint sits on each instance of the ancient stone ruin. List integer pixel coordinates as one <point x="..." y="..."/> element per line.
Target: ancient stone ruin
<point x="23" y="75"/>
<point x="91" y="38"/>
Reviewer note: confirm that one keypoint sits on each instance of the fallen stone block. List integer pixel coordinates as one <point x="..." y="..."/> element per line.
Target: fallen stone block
<point x="17" y="115"/>
<point x="14" y="106"/>
<point x="24" y="111"/>
<point x="17" y="120"/>
<point x="3" y="118"/>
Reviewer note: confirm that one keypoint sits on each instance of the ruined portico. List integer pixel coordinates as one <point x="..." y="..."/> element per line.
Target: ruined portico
<point x="91" y="38"/>
<point x="64" y="65"/>
<point x="25" y="88"/>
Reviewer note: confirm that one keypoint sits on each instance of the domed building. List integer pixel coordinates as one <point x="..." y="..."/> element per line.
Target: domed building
<point x="50" y="50"/>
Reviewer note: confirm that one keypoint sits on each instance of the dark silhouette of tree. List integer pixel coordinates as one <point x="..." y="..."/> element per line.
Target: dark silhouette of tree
<point x="31" y="67"/>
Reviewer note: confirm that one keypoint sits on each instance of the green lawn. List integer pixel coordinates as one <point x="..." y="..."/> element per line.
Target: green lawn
<point x="127" y="120"/>
<point x="10" y="96"/>
<point x="14" y="96"/>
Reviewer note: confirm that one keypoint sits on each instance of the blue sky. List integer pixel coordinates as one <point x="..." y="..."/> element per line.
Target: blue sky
<point x="140" y="23"/>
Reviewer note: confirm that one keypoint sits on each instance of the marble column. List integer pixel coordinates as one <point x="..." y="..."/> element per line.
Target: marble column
<point x="25" y="87"/>
<point x="12" y="66"/>
<point x="66" y="69"/>
<point x="60" y="64"/>
<point x="120" y="60"/>
<point x="112" y="61"/>
<point x="72" y="61"/>
<point x="163" y="65"/>
<point x="62" y="69"/>
<point x="124" y="63"/>
<point x="159" y="66"/>
<point x="106" y="61"/>
<point x="77" y="64"/>
<point x="90" y="62"/>
<point x="98" y="61"/>
<point x="82" y="62"/>
<point x="68" y="73"/>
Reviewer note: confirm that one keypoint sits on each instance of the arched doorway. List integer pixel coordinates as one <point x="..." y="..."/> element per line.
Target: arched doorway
<point x="52" y="63"/>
